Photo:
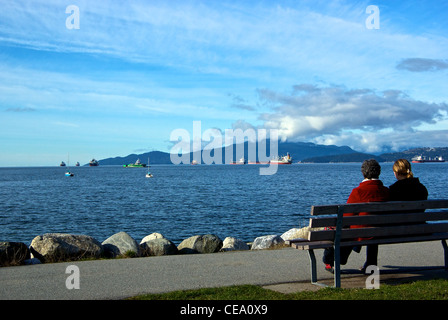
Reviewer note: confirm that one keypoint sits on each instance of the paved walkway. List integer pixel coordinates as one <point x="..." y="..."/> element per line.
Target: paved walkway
<point x="283" y="270"/>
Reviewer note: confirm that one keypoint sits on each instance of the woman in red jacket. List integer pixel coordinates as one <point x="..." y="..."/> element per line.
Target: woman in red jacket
<point x="371" y="189"/>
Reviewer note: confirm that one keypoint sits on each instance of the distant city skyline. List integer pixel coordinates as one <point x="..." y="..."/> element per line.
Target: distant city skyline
<point x="102" y="79"/>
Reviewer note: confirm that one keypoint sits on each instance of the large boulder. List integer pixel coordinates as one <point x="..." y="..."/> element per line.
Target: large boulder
<point x="208" y="243"/>
<point x="13" y="253"/>
<point x="268" y="242"/>
<point x="157" y="247"/>
<point x="233" y="244"/>
<point x="54" y="247"/>
<point x="296" y="233"/>
<point x="120" y="244"/>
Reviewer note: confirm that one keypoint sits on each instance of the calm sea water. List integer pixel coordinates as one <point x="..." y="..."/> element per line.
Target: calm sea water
<point x="179" y="201"/>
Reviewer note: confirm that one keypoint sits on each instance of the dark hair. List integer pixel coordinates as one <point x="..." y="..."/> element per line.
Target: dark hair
<point x="371" y="169"/>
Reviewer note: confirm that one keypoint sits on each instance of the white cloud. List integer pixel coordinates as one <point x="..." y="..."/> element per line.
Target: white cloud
<point x="257" y="41"/>
<point x="384" y="141"/>
<point x="362" y="119"/>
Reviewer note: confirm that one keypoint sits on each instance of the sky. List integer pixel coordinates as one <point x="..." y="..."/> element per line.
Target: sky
<point x="99" y="79"/>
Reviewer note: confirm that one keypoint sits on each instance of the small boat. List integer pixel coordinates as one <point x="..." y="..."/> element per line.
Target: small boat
<point x="62" y="164"/>
<point x="241" y="161"/>
<point x="148" y="174"/>
<point x="194" y="162"/>
<point x="77" y="164"/>
<point x="68" y="173"/>
<point x="93" y="163"/>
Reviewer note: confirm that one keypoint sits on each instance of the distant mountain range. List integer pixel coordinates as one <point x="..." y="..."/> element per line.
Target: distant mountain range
<point x="300" y="152"/>
<point x="155" y="157"/>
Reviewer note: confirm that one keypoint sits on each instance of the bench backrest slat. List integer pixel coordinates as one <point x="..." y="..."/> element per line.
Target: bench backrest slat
<point x="379" y="206"/>
<point x="383" y="218"/>
<point x="405" y="230"/>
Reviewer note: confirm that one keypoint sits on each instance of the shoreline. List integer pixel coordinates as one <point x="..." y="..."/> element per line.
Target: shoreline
<point x="64" y="247"/>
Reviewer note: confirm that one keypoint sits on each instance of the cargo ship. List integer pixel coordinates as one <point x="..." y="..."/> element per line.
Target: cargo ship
<point x="423" y="159"/>
<point x="282" y="160"/>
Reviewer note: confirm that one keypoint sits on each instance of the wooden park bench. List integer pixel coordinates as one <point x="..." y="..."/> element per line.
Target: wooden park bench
<point x="387" y="223"/>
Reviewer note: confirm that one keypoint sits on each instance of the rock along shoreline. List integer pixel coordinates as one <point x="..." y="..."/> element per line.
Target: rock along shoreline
<point x="63" y="247"/>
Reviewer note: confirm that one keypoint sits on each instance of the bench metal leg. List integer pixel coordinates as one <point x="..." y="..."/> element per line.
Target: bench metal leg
<point x="445" y="253"/>
<point x="314" y="269"/>
<point x="337" y="249"/>
<point x="313" y="266"/>
<point x="337" y="266"/>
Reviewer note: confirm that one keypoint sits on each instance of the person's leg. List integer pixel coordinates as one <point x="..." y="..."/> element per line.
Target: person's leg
<point x="345" y="253"/>
<point x="328" y="256"/>
<point x="371" y="256"/>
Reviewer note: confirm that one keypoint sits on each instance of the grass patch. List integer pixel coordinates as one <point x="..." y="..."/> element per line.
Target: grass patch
<point x="419" y="290"/>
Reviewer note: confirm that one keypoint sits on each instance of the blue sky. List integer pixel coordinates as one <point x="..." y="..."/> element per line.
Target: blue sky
<point x="135" y="71"/>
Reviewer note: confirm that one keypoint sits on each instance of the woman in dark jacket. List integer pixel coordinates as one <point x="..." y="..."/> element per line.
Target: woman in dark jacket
<point x="407" y="188"/>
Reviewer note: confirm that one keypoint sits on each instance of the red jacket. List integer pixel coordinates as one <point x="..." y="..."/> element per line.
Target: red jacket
<point x="368" y="191"/>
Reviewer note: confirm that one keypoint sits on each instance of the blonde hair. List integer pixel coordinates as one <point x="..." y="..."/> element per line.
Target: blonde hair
<point x="402" y="167"/>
